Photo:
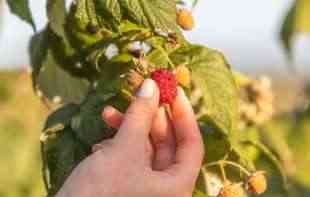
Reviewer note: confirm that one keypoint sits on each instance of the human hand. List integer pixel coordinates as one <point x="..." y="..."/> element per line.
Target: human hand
<point x="152" y="154"/>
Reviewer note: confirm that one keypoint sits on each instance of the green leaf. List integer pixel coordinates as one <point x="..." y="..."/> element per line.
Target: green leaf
<point x="287" y="30"/>
<point x="246" y="153"/>
<point x="110" y="10"/>
<point x="61" y="155"/>
<point x="127" y="26"/>
<point x="21" y="9"/>
<point x="90" y="117"/>
<point x="38" y="51"/>
<point x="215" y="82"/>
<point x="216" y="144"/>
<point x="156" y="14"/>
<point x="158" y="58"/>
<point x="62" y="116"/>
<point x="84" y="27"/>
<point x="296" y="21"/>
<point x="63" y="55"/>
<point x="57" y="84"/>
<point x="67" y="57"/>
<point x="56" y="14"/>
<point x="110" y="80"/>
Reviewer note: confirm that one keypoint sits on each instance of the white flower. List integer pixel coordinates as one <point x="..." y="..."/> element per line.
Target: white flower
<point x="111" y="51"/>
<point x="139" y="46"/>
<point x="146" y="47"/>
<point x="135" y="46"/>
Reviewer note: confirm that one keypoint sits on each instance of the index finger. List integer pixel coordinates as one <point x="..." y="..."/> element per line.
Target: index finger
<point x="138" y="119"/>
<point x="189" y="150"/>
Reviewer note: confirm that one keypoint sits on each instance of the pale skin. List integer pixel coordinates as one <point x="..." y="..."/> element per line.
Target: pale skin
<point x="153" y="154"/>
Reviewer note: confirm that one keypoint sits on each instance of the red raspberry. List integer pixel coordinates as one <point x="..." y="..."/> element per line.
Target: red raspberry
<point x="167" y="84"/>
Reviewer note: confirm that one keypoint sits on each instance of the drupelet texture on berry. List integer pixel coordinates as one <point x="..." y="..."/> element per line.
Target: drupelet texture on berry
<point x="167" y="84"/>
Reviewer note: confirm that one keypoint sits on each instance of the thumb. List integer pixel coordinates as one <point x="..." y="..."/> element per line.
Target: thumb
<point x="137" y="122"/>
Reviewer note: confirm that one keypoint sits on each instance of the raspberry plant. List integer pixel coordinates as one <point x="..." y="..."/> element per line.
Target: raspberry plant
<point x="98" y="52"/>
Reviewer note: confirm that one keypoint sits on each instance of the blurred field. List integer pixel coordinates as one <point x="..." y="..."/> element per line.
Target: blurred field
<point x="21" y="119"/>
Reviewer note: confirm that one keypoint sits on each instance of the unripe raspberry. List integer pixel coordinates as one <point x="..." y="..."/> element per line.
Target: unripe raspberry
<point x="185" y="19"/>
<point x="257" y="183"/>
<point x="231" y="190"/>
<point x="134" y="80"/>
<point x="183" y="75"/>
<point x="166" y="83"/>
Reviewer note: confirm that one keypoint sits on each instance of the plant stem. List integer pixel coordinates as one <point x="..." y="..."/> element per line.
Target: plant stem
<point x="224" y="162"/>
<point x="222" y="168"/>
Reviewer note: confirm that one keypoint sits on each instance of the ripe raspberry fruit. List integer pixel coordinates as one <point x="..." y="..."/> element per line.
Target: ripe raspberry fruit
<point x="166" y="83"/>
<point x="183" y="75"/>
<point x="185" y="19"/>
<point x="257" y="183"/>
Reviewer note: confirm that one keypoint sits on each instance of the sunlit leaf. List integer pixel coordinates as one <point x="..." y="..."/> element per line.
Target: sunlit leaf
<point x="212" y="77"/>
<point x="156" y="14"/>
<point x="56" y="13"/>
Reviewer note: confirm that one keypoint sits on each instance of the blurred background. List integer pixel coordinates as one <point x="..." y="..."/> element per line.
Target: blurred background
<point x="247" y="32"/>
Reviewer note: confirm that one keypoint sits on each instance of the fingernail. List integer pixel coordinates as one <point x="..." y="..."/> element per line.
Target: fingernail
<point x="107" y="111"/>
<point x="147" y="89"/>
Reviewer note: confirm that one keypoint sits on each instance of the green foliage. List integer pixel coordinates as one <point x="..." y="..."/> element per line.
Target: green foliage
<point x="21" y="9"/>
<point x="61" y="155"/>
<point x="56" y="14"/>
<point x="155" y="14"/>
<point x="296" y="21"/>
<point x="57" y="83"/>
<point x="214" y="79"/>
<point x="90" y="117"/>
<point x="49" y="76"/>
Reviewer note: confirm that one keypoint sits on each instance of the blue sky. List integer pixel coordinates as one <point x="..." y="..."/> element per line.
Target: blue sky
<point x="246" y="31"/>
